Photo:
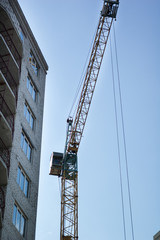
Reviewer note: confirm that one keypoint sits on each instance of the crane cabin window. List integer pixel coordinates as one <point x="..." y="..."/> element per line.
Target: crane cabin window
<point x="33" y="62"/>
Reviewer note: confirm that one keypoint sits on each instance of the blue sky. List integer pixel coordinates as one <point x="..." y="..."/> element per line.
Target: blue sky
<point x="64" y="31"/>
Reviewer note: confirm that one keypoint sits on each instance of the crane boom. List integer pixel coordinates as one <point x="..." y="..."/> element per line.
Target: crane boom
<point x="92" y="72"/>
<point x="65" y="165"/>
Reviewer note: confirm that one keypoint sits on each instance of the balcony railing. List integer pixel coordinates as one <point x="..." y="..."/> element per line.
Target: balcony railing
<point x="2" y="200"/>
<point x="4" y="69"/>
<point x="5" y="154"/>
<point x="7" y="113"/>
<point x="6" y="33"/>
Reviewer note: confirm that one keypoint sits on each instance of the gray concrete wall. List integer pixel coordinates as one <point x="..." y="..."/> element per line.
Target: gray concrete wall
<point x="31" y="168"/>
<point x="157" y="236"/>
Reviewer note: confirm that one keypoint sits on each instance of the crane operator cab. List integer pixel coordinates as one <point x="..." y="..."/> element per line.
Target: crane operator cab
<point x="110" y="8"/>
<point x="56" y="164"/>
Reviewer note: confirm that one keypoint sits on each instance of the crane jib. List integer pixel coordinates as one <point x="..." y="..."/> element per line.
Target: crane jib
<point x="90" y="82"/>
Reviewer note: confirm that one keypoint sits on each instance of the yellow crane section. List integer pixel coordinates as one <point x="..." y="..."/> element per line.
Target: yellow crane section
<point x="65" y="165"/>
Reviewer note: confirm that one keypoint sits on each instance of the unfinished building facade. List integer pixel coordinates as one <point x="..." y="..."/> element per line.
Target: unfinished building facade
<point x="22" y="83"/>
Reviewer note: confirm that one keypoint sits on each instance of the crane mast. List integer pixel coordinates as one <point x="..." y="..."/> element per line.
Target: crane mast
<point x="65" y="165"/>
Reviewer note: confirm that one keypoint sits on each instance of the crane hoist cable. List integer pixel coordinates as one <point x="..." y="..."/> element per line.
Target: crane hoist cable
<point x="66" y="165"/>
<point x="118" y="141"/>
<point x="124" y="135"/>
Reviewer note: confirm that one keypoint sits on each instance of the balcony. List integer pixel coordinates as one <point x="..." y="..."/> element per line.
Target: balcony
<point x="6" y="123"/>
<point x="8" y="60"/>
<point x="11" y="36"/>
<point x="4" y="163"/>
<point x="0" y="218"/>
<point x="2" y="205"/>
<point x="10" y="92"/>
<point x="3" y="173"/>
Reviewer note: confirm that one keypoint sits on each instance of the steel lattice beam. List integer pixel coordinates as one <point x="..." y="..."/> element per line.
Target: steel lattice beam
<point x="69" y="180"/>
<point x="92" y="72"/>
<point x="69" y="198"/>
<point x="69" y="209"/>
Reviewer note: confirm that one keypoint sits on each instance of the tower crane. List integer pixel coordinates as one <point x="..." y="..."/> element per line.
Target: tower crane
<point x="65" y="164"/>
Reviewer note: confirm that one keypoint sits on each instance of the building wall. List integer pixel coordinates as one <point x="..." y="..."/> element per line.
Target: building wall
<point x="157" y="236"/>
<point x="13" y="193"/>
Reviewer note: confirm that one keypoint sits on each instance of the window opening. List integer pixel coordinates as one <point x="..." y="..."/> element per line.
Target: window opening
<point x="23" y="181"/>
<point x="33" y="63"/>
<point x="26" y="146"/>
<point x="19" y="219"/>
<point x="21" y="36"/>
<point x="29" y="115"/>
<point x="31" y="88"/>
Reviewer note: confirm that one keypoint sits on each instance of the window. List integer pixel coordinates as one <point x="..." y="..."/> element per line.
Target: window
<point x="26" y="146"/>
<point x="19" y="219"/>
<point x="31" y="88"/>
<point x="23" y="181"/>
<point x="33" y="63"/>
<point x="29" y="115"/>
<point x="21" y="36"/>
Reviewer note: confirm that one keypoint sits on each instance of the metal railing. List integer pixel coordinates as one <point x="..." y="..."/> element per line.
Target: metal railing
<point x="2" y="200"/>
<point x="5" y="154"/>
<point x="7" y="74"/>
<point x="6" y="33"/>
<point x="7" y="113"/>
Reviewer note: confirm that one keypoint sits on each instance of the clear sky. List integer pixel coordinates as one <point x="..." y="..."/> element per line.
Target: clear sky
<point x="64" y="31"/>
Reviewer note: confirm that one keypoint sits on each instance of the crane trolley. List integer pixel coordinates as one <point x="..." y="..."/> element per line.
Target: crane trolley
<point x="110" y="8"/>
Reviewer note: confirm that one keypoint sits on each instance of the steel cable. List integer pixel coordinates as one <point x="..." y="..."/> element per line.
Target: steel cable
<point x="124" y="135"/>
<point x="75" y="102"/>
<point x="118" y="142"/>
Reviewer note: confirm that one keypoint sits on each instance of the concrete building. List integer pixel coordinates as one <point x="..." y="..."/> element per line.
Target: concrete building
<point x="157" y="236"/>
<point x="22" y="83"/>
